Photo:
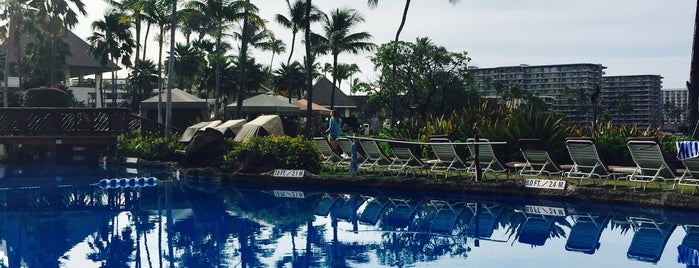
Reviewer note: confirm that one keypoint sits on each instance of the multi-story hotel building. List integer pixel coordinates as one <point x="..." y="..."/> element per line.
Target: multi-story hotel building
<point x="674" y="108"/>
<point x="564" y="87"/>
<point x="633" y="100"/>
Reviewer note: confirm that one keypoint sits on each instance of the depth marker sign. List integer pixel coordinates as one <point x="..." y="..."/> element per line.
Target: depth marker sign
<point x="545" y="184"/>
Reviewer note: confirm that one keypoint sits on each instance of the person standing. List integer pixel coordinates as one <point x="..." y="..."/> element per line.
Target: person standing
<point x="333" y="129"/>
<point x="375" y="125"/>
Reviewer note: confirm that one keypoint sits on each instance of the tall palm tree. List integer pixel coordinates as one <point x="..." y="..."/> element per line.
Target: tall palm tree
<point x="693" y="83"/>
<point x="220" y="13"/>
<point x="135" y="12"/>
<point x="249" y="18"/>
<point x="15" y="13"/>
<point x="345" y="71"/>
<point x="111" y="41"/>
<point x="296" y="20"/>
<point x="339" y="38"/>
<point x="290" y="78"/>
<point x="59" y="16"/>
<point x="276" y="46"/>
<point x="374" y="3"/>
<point x="309" y="67"/>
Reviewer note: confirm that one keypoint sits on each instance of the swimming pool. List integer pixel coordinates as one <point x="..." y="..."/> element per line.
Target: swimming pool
<point x="62" y="216"/>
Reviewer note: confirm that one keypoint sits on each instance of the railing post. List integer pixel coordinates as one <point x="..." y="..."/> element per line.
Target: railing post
<point x="476" y="160"/>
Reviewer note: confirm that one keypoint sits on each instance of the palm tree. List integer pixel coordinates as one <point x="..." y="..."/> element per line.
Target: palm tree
<point x="274" y="45"/>
<point x="345" y="71"/>
<point x="290" y="78"/>
<point x="134" y="11"/>
<point x="693" y="83"/>
<point x="111" y="41"/>
<point x="250" y="18"/>
<point x="339" y="38"/>
<point x="296" y="20"/>
<point x="15" y="13"/>
<point x="219" y="13"/>
<point x="188" y="60"/>
<point x="140" y="82"/>
<point x="309" y="66"/>
<point x="59" y="16"/>
<point x="374" y="3"/>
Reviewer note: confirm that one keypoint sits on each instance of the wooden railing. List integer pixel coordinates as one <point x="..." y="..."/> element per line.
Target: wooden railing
<point x="73" y="122"/>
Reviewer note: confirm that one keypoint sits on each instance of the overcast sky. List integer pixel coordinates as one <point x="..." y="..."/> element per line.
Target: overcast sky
<point x="629" y="37"/>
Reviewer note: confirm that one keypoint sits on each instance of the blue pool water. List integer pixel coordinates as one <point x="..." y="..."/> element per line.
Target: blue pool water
<point x="61" y="216"/>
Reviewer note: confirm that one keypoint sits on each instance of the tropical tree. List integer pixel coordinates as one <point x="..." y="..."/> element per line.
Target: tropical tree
<point x="428" y="80"/>
<point x="59" y="15"/>
<point x="250" y="19"/>
<point x="296" y="20"/>
<point x="340" y="38"/>
<point x="14" y="13"/>
<point x="135" y="11"/>
<point x="693" y="83"/>
<point x="345" y="71"/>
<point x="276" y="46"/>
<point x="289" y="79"/>
<point x="111" y="41"/>
<point x="188" y="61"/>
<point x="141" y="81"/>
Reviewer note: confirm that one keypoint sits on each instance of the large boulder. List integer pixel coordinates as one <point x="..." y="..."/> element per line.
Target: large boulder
<point x="206" y="148"/>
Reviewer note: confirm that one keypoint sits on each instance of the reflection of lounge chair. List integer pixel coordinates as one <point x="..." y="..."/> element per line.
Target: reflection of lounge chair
<point x="688" y="250"/>
<point x="445" y="217"/>
<point x="326" y="203"/>
<point x="347" y="207"/>
<point x="538" y="161"/>
<point x="376" y="160"/>
<point x="331" y="160"/>
<point x="446" y="158"/>
<point x="536" y="229"/>
<point x="586" y="161"/>
<point x="370" y="211"/>
<point x="650" y="163"/>
<point x="585" y="234"/>
<point x="489" y="163"/>
<point x="649" y="239"/>
<point x="400" y="212"/>
<point x="404" y="160"/>
<point x="484" y="220"/>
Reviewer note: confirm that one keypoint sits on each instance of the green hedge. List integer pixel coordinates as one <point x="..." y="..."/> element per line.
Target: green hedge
<point x="46" y="97"/>
<point x="262" y="154"/>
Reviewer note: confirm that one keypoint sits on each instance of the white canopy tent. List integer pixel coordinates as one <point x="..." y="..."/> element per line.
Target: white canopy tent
<point x="270" y="124"/>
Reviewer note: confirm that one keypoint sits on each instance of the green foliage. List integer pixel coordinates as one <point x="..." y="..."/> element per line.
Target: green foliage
<point x="262" y="154"/>
<point x="422" y="79"/>
<point x="46" y="97"/>
<point x="152" y="148"/>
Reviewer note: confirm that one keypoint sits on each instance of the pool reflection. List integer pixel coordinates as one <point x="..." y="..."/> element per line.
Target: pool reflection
<point x="196" y="223"/>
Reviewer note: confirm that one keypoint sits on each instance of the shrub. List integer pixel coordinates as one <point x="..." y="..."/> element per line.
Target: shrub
<point x="46" y="97"/>
<point x="262" y="154"/>
<point x="153" y="148"/>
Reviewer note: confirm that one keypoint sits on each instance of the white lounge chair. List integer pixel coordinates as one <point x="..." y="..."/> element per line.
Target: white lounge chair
<point x="487" y="160"/>
<point x="446" y="158"/>
<point x="650" y="164"/>
<point x="587" y="164"/>
<point x="538" y="160"/>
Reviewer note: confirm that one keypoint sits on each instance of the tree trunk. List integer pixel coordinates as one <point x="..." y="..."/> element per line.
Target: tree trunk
<point x="693" y="84"/>
<point x="242" y="89"/>
<point x="309" y="76"/>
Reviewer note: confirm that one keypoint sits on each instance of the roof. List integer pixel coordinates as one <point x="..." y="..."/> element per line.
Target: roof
<point x="322" y="91"/>
<point x="271" y="123"/>
<point x="80" y="62"/>
<point x="264" y="103"/>
<point x="303" y="105"/>
<point x="180" y="99"/>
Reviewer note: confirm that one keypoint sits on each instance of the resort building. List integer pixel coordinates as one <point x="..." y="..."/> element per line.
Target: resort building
<point x="674" y="107"/>
<point x="564" y="87"/>
<point x="633" y="100"/>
